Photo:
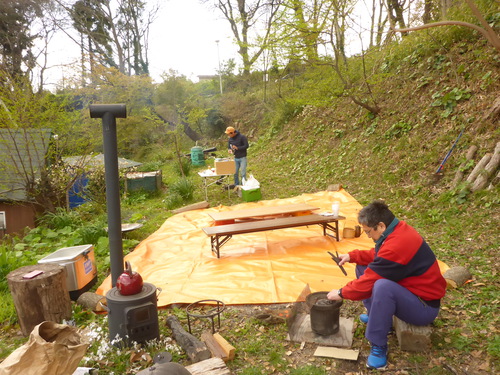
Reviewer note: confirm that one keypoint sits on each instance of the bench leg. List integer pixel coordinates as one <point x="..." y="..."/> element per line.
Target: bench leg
<point x="334" y="229"/>
<point x="217" y="241"/>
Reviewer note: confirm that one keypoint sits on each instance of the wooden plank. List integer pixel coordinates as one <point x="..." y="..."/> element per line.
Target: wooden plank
<point x="194" y="206"/>
<point x="229" y="350"/>
<point x="212" y="366"/>
<point x="332" y="352"/>
<point x="271" y="224"/>
<point x="214" y="346"/>
<point x="262" y="211"/>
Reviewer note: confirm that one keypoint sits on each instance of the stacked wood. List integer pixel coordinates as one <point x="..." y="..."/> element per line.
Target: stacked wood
<point x="218" y="346"/>
<point x="482" y="179"/>
<point x="42" y="297"/>
<point x="479" y="167"/>
<point x="195" y="349"/>
<point x="459" y="175"/>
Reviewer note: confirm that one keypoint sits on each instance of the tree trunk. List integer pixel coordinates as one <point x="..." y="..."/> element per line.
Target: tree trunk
<point x="43" y="297"/>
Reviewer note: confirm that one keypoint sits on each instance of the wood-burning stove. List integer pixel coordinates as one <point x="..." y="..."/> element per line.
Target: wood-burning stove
<point x="133" y="318"/>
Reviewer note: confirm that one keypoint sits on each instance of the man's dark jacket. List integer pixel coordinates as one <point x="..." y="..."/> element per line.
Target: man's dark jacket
<point x="240" y="141"/>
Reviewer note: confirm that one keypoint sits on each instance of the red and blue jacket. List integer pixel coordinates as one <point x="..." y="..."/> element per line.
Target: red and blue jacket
<point x="404" y="257"/>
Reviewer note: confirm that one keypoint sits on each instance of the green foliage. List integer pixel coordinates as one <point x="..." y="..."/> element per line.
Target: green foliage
<point x="398" y="130"/>
<point x="60" y="219"/>
<point x="184" y="188"/>
<point x="183" y="168"/>
<point x="448" y="99"/>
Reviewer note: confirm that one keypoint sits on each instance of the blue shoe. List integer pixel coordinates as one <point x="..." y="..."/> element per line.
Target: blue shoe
<point x="377" y="358"/>
<point x="364" y="318"/>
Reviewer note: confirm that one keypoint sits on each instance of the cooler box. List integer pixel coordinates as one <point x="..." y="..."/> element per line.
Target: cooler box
<point x="224" y="166"/>
<point x="251" y="195"/>
<point x="79" y="262"/>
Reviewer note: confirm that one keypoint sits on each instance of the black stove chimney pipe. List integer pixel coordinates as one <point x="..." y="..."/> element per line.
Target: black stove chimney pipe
<point x="109" y="113"/>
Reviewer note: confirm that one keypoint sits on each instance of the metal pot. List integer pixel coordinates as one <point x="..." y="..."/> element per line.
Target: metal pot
<point x="324" y="314"/>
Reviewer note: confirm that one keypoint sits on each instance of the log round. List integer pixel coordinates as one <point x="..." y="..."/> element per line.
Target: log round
<point x="43" y="297"/>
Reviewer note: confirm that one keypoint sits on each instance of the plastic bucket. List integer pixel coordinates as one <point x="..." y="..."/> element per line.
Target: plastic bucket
<point x="197" y="156"/>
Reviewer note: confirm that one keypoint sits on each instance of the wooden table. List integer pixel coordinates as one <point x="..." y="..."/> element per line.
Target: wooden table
<point x="261" y="213"/>
<point x="220" y="234"/>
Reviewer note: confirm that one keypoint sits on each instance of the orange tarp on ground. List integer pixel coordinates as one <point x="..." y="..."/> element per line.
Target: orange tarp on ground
<point x="256" y="268"/>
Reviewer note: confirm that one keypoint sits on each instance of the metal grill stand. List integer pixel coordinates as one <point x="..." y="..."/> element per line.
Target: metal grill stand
<point x="210" y="314"/>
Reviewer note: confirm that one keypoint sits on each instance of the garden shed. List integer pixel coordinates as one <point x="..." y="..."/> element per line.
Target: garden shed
<point x="23" y="155"/>
<point x="76" y="195"/>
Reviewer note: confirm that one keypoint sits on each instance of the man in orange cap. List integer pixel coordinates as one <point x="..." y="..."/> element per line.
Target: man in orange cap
<point x="237" y="145"/>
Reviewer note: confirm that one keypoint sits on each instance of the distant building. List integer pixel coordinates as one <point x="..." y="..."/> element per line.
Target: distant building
<point x="207" y="77"/>
<point x="23" y="155"/>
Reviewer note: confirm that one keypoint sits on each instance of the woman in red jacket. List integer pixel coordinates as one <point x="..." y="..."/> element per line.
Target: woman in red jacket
<point x="399" y="277"/>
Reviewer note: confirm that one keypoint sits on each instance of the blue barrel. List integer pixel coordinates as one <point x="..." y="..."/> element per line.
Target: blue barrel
<point x="197" y="156"/>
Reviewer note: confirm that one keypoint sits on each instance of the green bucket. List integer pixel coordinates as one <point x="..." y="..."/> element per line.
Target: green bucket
<point x="197" y="156"/>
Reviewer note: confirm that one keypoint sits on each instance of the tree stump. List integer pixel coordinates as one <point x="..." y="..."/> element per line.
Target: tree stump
<point x="43" y="297"/>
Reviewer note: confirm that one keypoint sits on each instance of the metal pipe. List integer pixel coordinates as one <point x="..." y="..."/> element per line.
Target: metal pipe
<point x="109" y="113"/>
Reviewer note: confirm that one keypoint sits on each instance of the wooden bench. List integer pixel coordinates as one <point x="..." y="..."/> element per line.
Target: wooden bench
<point x="220" y="234"/>
<point x="261" y="213"/>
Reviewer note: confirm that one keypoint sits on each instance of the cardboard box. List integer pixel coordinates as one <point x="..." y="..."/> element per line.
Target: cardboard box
<point x="251" y="195"/>
<point x="225" y="167"/>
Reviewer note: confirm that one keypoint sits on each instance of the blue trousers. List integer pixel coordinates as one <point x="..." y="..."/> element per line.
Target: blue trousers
<point x="388" y="299"/>
<point x="241" y="163"/>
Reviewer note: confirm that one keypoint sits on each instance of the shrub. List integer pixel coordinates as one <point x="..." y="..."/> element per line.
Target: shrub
<point x="184" y="188"/>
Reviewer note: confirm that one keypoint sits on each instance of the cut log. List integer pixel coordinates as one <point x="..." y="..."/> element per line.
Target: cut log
<point x="194" y="206"/>
<point x="459" y="175"/>
<point x="213" y="346"/>
<point x="43" y="297"/>
<point x="412" y="338"/>
<point x="459" y="275"/>
<point x="212" y="366"/>
<point x="229" y="350"/>
<point x="482" y="179"/>
<point x="92" y="301"/>
<point x="194" y="348"/>
<point x="479" y="167"/>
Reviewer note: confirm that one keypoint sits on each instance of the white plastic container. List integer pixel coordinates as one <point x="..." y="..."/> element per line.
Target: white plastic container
<point x="335" y="209"/>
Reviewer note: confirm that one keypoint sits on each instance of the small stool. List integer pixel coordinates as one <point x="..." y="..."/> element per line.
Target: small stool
<point x="210" y="314"/>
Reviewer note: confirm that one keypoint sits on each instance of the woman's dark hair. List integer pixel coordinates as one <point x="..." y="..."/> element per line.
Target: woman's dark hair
<point x="374" y="213"/>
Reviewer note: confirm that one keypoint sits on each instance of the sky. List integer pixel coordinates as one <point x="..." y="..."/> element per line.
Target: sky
<point x="182" y="38"/>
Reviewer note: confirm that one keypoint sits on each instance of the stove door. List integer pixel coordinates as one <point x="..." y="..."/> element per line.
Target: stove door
<point x="142" y="322"/>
